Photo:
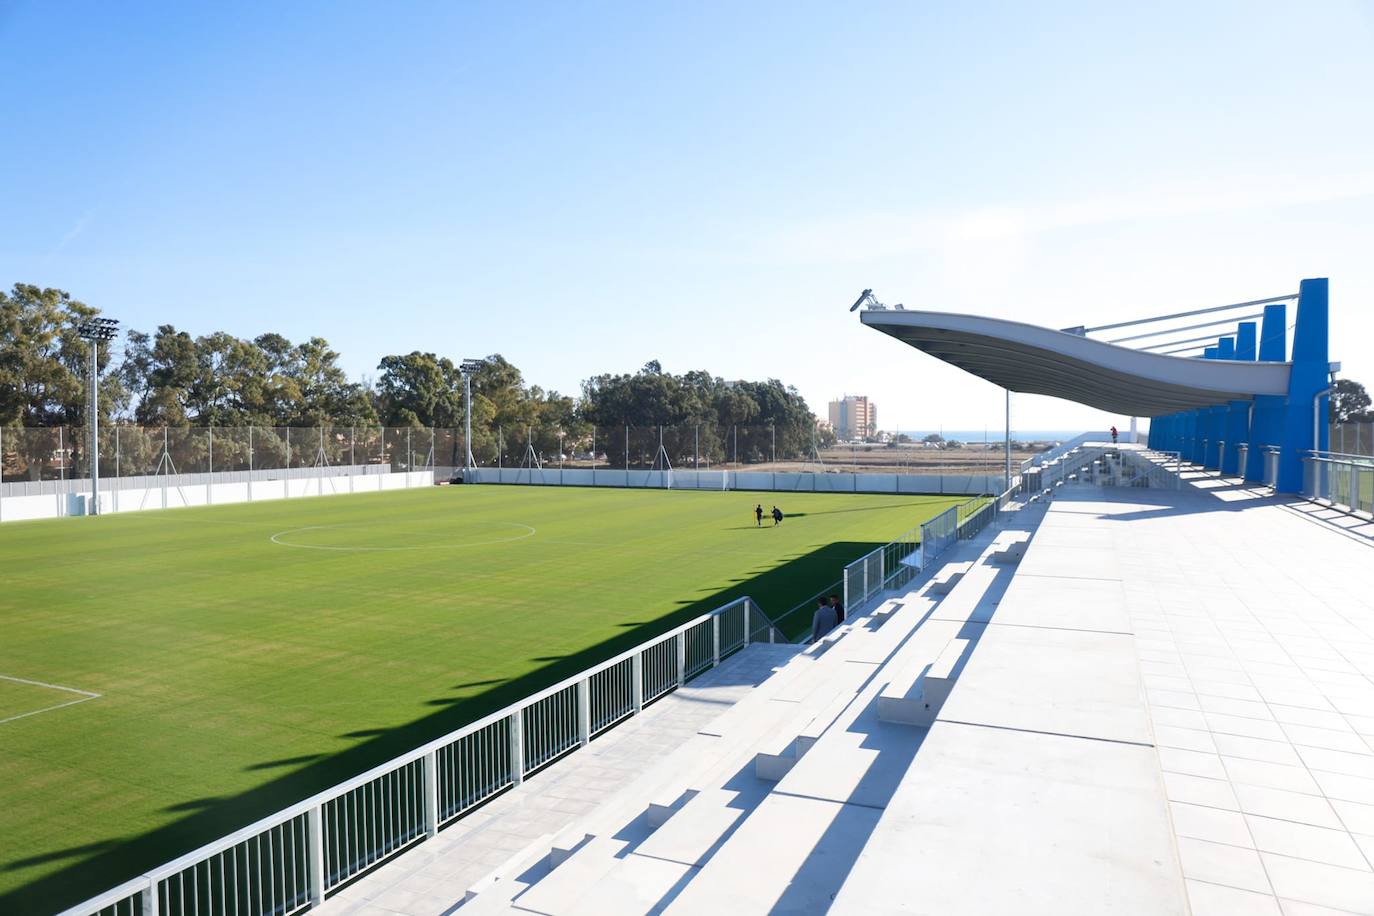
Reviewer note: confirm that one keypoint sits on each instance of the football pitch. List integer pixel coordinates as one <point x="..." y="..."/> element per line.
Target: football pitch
<point x="167" y="677"/>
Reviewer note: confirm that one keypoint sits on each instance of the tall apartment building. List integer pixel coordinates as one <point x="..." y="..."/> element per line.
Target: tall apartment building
<point x="853" y="417"/>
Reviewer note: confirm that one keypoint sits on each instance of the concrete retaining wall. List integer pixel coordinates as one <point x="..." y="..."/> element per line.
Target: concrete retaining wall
<point x="963" y="484"/>
<point x="173" y="495"/>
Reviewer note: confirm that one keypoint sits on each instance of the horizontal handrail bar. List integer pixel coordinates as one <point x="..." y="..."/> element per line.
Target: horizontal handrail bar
<point x="1215" y="308"/>
<point x="1188" y="327"/>
<point x="1338" y="457"/>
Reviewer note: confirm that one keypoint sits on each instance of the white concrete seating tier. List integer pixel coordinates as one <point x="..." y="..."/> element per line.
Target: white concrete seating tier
<point x="913" y="698"/>
<point x="794" y="850"/>
<point x="700" y="796"/>
<point x="644" y="866"/>
<point x="1035" y="790"/>
<point x="947" y="578"/>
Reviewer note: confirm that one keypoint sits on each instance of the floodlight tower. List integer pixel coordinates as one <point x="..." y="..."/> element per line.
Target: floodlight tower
<point x="95" y="330"/>
<point x="467" y="367"/>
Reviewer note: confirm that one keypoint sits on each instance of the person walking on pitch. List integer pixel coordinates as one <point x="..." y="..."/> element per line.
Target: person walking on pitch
<point x="777" y="516"/>
<point x="758" y="516"/>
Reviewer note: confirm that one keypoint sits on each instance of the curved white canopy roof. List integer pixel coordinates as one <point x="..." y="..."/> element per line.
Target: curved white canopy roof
<point x="1035" y="360"/>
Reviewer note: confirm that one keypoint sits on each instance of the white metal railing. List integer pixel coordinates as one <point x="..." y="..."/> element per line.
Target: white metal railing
<point x="889" y="566"/>
<point x="900" y="560"/>
<point x="1340" y="479"/>
<point x="1004" y="500"/>
<point x="289" y="861"/>
<point x="1150" y="468"/>
<point x="1064" y="448"/>
<point x="1064" y="467"/>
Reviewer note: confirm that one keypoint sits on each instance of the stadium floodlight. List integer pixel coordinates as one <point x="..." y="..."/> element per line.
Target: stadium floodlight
<point x="95" y="330"/>
<point x="467" y="367"/>
<point x="867" y="298"/>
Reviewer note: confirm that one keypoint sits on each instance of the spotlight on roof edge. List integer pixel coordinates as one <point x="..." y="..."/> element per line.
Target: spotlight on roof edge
<point x="867" y="298"/>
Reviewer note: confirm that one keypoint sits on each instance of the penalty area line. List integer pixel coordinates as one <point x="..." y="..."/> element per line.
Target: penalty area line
<point x="83" y="696"/>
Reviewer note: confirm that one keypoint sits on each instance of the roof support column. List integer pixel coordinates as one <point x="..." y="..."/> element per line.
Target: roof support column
<point x="1193" y="435"/>
<point x="1245" y="341"/>
<point x="1311" y="368"/>
<point x="1216" y="433"/>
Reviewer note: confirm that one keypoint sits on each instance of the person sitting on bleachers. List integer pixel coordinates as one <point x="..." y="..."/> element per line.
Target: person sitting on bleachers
<point x="823" y="621"/>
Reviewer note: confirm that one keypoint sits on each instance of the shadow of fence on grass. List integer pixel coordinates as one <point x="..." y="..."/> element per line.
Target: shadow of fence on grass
<point x="98" y="866"/>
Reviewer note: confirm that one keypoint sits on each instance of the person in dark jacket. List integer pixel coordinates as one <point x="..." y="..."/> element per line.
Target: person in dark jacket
<point x="758" y="516"/>
<point x="839" y="609"/>
<point x="777" y="516"/>
<point x="823" y="621"/>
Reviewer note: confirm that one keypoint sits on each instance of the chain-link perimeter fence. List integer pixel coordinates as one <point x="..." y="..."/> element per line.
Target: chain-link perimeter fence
<point x="56" y="460"/>
<point x="42" y="459"/>
<point x="1353" y="438"/>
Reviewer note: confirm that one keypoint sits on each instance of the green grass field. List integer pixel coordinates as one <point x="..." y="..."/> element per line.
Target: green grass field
<point x="246" y="656"/>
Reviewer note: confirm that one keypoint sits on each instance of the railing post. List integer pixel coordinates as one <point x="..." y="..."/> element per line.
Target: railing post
<point x="314" y="837"/>
<point x="748" y="619"/>
<point x="584" y="711"/>
<point x="431" y="793"/>
<point x="715" y="640"/>
<point x="681" y="657"/>
<point x="517" y="747"/>
<point x="637" y="681"/>
<point x="150" y="903"/>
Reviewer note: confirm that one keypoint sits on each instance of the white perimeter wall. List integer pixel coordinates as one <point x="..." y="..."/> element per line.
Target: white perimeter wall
<point x="20" y="508"/>
<point x="963" y="484"/>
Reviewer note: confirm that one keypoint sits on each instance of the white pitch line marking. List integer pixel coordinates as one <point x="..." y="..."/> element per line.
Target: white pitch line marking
<point x="84" y="696"/>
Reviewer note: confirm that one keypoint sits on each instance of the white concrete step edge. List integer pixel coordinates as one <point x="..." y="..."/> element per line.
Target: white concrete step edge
<point x="494" y="890"/>
<point x="914" y="697"/>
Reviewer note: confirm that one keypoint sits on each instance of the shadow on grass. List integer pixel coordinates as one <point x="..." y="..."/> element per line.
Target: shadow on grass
<point x="56" y="855"/>
<point x="103" y="864"/>
<point x="284" y="762"/>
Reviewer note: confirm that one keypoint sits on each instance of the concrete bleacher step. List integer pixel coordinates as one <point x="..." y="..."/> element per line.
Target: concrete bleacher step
<point x="915" y="698"/>
<point x="792" y="851"/>
<point x="584" y="869"/>
<point x="774" y="765"/>
<point x="638" y="885"/>
<point x="684" y="804"/>
<point x="1011" y="554"/>
<point x="695" y="800"/>
<point x="709" y="819"/>
<point x="948" y="577"/>
<point x="722" y="746"/>
<point x="492" y="892"/>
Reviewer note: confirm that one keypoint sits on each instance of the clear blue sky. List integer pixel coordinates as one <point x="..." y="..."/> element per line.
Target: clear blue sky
<point x="584" y="187"/>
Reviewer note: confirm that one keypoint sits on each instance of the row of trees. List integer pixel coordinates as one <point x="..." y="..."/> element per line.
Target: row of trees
<point x="169" y="378"/>
<point x="1350" y="403"/>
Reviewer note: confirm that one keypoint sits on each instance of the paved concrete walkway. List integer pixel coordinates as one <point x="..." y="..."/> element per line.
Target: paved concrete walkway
<point x="1254" y="629"/>
<point x="431" y="879"/>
